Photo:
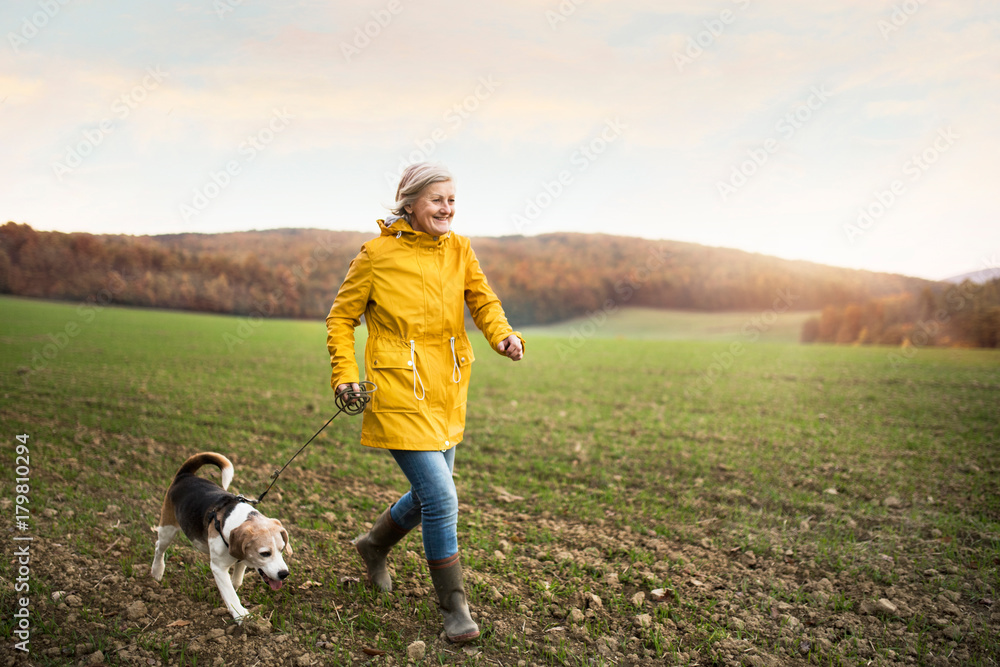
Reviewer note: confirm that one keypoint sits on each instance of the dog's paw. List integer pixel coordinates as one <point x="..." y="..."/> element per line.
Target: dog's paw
<point x="157" y="572"/>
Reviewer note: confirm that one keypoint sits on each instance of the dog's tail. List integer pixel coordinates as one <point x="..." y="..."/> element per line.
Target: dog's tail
<point x="205" y="458"/>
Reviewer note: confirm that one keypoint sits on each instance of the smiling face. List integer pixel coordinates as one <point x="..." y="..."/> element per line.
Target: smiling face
<point x="433" y="209"/>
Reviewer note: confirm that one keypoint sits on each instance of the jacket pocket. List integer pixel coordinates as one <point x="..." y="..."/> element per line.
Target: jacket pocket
<point x="462" y="359"/>
<point x="392" y="373"/>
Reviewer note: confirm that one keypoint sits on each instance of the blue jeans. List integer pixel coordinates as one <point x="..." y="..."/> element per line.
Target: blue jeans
<point x="432" y="500"/>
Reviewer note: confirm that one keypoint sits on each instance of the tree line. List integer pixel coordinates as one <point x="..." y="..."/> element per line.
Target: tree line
<point x="966" y="315"/>
<point x="541" y="279"/>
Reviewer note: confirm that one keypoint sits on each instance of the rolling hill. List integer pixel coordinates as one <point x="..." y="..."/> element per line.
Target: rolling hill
<point x="541" y="279"/>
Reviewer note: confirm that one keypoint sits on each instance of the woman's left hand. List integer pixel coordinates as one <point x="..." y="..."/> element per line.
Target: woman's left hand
<point x="511" y="346"/>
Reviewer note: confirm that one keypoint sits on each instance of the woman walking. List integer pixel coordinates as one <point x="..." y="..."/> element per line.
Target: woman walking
<point x="412" y="284"/>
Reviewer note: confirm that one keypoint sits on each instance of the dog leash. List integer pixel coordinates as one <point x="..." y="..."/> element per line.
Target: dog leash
<point x="350" y="401"/>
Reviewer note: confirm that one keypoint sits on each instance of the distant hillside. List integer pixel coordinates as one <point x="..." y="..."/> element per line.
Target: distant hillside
<point x="980" y="277"/>
<point x="541" y="279"/>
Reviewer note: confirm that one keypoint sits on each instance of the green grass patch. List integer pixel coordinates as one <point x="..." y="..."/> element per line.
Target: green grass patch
<point x="613" y="463"/>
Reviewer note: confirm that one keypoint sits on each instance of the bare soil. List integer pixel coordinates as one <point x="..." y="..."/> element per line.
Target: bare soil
<point x="600" y="606"/>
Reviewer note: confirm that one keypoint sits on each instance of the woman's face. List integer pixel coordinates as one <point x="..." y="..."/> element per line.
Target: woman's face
<point x="433" y="209"/>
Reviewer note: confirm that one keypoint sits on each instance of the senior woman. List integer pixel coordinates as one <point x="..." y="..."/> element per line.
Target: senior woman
<point x="412" y="284"/>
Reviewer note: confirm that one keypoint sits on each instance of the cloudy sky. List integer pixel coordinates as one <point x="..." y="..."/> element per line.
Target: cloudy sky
<point x="853" y="133"/>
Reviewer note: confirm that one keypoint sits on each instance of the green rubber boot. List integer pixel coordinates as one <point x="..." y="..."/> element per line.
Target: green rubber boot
<point x="447" y="577"/>
<point x="374" y="547"/>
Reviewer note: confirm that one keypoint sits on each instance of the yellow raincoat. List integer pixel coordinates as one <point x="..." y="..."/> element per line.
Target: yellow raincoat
<point x="412" y="289"/>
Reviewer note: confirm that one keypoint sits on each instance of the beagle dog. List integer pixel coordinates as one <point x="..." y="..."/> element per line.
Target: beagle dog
<point x="224" y="526"/>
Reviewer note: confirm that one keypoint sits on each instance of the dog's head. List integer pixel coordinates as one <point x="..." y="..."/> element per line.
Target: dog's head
<point x="258" y="542"/>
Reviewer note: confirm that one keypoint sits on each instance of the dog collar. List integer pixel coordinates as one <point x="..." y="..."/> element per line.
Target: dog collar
<point x="214" y="516"/>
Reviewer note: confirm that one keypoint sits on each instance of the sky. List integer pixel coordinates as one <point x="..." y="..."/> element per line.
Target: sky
<point x="853" y="133"/>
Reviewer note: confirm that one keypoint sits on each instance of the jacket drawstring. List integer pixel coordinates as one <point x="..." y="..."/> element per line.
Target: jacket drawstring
<point x="416" y="375"/>
<point x="456" y="368"/>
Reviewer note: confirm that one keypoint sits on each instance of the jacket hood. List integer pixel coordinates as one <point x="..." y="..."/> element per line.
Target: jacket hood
<point x="394" y="225"/>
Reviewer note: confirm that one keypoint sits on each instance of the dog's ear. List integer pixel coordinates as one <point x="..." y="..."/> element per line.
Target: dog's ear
<point x="284" y="536"/>
<point x="237" y="541"/>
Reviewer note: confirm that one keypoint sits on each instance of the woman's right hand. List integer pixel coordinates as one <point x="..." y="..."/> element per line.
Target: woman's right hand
<point x="511" y="347"/>
<point x="353" y="387"/>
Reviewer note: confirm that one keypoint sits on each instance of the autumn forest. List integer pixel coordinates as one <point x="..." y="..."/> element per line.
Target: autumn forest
<point x="542" y="279"/>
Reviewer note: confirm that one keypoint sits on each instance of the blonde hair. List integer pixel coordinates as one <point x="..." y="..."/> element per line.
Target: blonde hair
<point x="413" y="180"/>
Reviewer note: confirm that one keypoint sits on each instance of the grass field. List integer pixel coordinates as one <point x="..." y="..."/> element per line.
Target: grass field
<point x="768" y="326"/>
<point x="622" y="501"/>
